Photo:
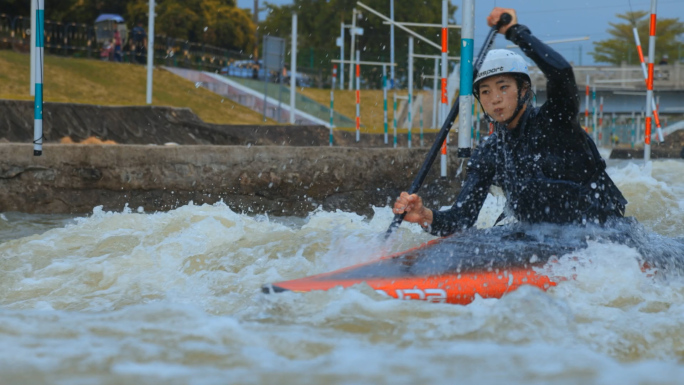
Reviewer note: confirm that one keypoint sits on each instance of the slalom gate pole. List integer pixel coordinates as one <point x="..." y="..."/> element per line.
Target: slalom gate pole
<point x="34" y="14"/>
<point x="612" y="132"/>
<point x="293" y="71"/>
<point x="358" y="96"/>
<point x="644" y="70"/>
<point x="600" y="123"/>
<point x="594" y="127"/>
<point x="632" y="133"/>
<point x="38" y="98"/>
<point x="394" y="116"/>
<point x="410" y="89"/>
<point x="434" y="95"/>
<point x="332" y="102"/>
<point x="421" y="122"/>
<point x="649" y="84"/>
<point x="586" y="107"/>
<point x="477" y="123"/>
<point x="440" y="140"/>
<point x="384" y="99"/>
<point x="445" y="69"/>
<point x="150" y="50"/>
<point x="465" y="119"/>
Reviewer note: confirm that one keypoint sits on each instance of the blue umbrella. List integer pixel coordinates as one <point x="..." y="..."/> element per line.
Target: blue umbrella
<point x="109" y="16"/>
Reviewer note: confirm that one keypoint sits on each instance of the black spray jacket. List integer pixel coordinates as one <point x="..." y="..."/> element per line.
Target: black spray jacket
<point x="548" y="167"/>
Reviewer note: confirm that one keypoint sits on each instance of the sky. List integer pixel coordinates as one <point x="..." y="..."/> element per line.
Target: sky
<point x="552" y="19"/>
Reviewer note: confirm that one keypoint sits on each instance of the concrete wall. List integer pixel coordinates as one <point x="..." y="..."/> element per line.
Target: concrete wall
<point x="278" y="180"/>
<point x="159" y="125"/>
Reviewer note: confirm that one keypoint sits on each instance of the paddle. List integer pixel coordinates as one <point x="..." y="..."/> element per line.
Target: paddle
<point x="444" y="131"/>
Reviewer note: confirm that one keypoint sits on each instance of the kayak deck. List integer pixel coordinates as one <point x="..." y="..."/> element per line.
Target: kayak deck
<point x="489" y="263"/>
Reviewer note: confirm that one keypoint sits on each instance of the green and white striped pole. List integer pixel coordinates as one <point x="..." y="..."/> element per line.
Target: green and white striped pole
<point x="465" y="120"/>
<point x="384" y="98"/>
<point x="395" y="120"/>
<point x="410" y="89"/>
<point x="38" y="99"/>
<point x="421" y="122"/>
<point x="332" y="102"/>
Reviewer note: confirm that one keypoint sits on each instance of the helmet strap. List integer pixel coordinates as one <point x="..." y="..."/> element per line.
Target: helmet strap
<point x="522" y="101"/>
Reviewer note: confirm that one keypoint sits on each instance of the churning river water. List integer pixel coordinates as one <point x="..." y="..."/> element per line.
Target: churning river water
<point x="175" y="297"/>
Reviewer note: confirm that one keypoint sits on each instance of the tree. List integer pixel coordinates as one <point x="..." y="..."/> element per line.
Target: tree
<point x="622" y="47"/>
<point x="215" y="22"/>
<point x="319" y="26"/>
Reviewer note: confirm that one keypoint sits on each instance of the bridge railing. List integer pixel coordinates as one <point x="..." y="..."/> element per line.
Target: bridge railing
<point x="666" y="77"/>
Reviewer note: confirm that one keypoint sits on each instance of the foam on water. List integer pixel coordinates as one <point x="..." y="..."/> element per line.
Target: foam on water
<point x="175" y="297"/>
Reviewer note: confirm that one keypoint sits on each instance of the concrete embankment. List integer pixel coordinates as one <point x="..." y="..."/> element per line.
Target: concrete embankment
<point x="279" y="180"/>
<point x="159" y="125"/>
<point x="656" y="153"/>
<point x="671" y="148"/>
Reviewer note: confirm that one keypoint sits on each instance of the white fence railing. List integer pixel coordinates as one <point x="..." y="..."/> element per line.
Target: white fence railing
<point x="666" y="77"/>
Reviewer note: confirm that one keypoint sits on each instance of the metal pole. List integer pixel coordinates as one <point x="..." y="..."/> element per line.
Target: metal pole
<point x="656" y="116"/>
<point x="649" y="84"/>
<point x="594" y="127"/>
<point x="434" y="94"/>
<point x="612" y="132"/>
<point x="293" y="68"/>
<point x="632" y="136"/>
<point x="384" y="99"/>
<point x="392" y="43"/>
<point x="358" y="96"/>
<point x="586" y="106"/>
<point x="600" y="123"/>
<point x="38" y="99"/>
<point x="32" y="86"/>
<point x="352" y="32"/>
<point x="410" y="88"/>
<point x="264" y="60"/>
<point x="465" y="119"/>
<point x="445" y="99"/>
<point x="421" y="122"/>
<point x="477" y="124"/>
<point x="410" y="32"/>
<point x="332" y="102"/>
<point x="394" y="116"/>
<point x="342" y="56"/>
<point x="150" y="51"/>
<point x="281" y="67"/>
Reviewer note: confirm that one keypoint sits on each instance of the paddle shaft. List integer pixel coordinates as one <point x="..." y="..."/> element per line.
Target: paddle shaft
<point x="446" y="126"/>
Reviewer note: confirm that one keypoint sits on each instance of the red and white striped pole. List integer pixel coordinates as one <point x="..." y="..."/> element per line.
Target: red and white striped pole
<point x="445" y="98"/>
<point x="645" y="71"/>
<point x="649" y="83"/>
<point x="358" y="96"/>
<point x="586" y="108"/>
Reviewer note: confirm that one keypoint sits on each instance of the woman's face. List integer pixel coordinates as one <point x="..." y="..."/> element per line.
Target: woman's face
<point x="499" y="96"/>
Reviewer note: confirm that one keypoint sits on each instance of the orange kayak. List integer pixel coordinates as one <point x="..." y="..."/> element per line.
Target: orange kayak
<point x="488" y="263"/>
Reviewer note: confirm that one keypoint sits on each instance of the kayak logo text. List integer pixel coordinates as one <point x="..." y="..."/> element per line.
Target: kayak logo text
<point x="430" y="295"/>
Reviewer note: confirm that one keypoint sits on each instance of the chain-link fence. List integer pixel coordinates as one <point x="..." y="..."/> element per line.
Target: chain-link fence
<point x="79" y="40"/>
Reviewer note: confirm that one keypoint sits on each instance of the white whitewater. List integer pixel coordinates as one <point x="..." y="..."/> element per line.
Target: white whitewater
<point x="174" y="297"/>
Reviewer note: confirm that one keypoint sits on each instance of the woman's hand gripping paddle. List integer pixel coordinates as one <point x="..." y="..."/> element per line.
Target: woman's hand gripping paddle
<point x="444" y="131"/>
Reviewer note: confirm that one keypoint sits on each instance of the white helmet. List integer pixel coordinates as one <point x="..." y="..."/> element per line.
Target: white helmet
<point x="502" y="61"/>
